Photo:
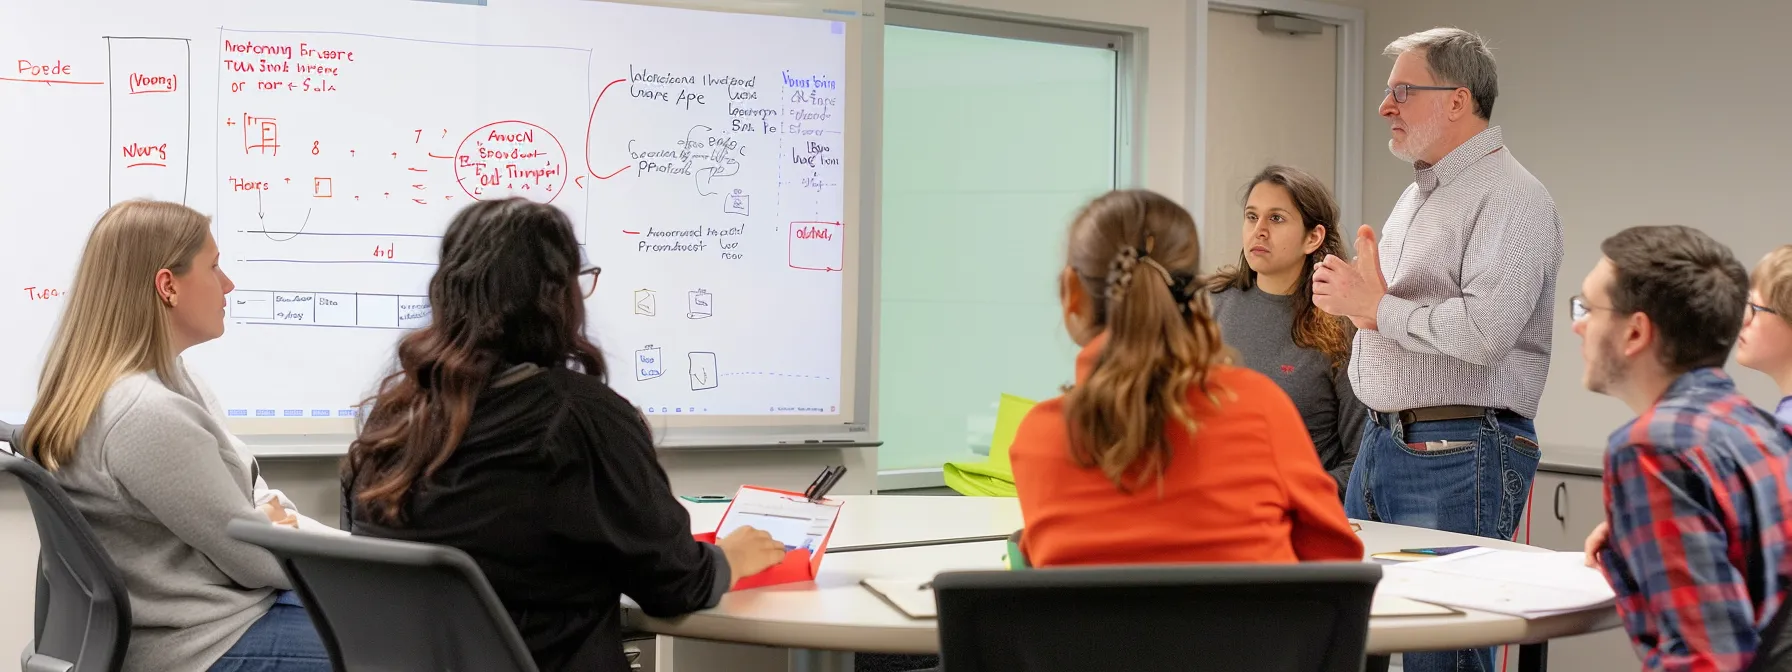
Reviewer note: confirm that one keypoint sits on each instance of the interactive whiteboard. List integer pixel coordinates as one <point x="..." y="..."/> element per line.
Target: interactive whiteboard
<point x="708" y="159"/>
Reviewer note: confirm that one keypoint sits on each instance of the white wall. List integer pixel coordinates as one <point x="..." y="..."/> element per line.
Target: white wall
<point x="1631" y="112"/>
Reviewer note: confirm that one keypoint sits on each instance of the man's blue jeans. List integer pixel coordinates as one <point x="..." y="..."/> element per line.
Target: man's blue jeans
<point x="283" y="640"/>
<point x="1471" y="476"/>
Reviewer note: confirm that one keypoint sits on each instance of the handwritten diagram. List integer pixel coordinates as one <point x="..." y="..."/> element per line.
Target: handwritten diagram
<point x="330" y="309"/>
<point x="648" y="363"/>
<point x="149" y="110"/>
<point x="702" y="305"/>
<point x="703" y="371"/>
<point x="511" y="156"/>
<point x="311" y="180"/>
<point x="817" y="246"/>
<point x="706" y="176"/>
<point x="646" y="303"/>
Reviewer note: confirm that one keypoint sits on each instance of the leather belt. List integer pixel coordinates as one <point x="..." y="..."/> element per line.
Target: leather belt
<point x="1434" y="413"/>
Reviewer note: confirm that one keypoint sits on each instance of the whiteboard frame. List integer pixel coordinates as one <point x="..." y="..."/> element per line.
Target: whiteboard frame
<point x="299" y="438"/>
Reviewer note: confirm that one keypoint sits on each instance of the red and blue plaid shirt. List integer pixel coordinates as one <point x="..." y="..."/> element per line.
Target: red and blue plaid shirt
<point x="1698" y="495"/>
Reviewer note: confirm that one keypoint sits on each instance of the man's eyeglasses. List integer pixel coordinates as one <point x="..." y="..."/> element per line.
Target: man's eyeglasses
<point x="1754" y="309"/>
<point x="1579" y="309"/>
<point x="588" y="279"/>
<point x="1401" y="92"/>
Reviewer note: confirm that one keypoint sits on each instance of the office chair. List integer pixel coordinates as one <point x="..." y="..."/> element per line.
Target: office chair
<point x="380" y="604"/>
<point x="83" y="614"/>
<point x="1310" y="617"/>
<point x="1774" y="652"/>
<point x="10" y="437"/>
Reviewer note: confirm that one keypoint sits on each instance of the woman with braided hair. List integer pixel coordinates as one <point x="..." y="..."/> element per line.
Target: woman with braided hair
<point x="1163" y="451"/>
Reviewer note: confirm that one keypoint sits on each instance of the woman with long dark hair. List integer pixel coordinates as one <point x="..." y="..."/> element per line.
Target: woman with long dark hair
<point x="1264" y="305"/>
<point x="498" y="435"/>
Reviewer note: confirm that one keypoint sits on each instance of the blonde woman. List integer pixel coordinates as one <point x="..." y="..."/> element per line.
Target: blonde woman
<point x="143" y="452"/>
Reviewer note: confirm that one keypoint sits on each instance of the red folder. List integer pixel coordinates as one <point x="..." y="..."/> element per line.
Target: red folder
<point x="798" y="564"/>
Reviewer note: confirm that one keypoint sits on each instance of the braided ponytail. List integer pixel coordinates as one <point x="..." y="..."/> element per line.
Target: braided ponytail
<point x="1137" y="255"/>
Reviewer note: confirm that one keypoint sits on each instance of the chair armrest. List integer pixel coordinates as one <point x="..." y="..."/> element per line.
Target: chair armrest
<point x="30" y="661"/>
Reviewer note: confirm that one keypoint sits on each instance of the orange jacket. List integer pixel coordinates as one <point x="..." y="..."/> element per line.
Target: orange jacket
<point x="1247" y="487"/>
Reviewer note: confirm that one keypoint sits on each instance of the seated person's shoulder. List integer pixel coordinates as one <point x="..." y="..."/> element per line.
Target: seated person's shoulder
<point x="1050" y="410"/>
<point x="1234" y="384"/>
<point x="576" y="385"/>
<point x="1713" y="432"/>
<point x="589" y="402"/>
<point x="137" y="400"/>
<point x="1043" y="428"/>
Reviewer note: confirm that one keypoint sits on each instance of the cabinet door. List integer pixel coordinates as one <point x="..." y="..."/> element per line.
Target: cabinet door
<point x="1546" y="520"/>
<point x="1571" y="509"/>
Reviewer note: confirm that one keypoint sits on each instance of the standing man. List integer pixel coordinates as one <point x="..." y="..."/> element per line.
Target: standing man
<point x="1454" y="336"/>
<point x="1698" y="515"/>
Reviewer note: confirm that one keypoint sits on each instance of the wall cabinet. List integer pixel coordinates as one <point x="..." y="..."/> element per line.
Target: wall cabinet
<point x="1564" y="509"/>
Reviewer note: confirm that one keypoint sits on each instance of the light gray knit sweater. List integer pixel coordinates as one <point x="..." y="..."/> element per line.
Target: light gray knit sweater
<point x="158" y="477"/>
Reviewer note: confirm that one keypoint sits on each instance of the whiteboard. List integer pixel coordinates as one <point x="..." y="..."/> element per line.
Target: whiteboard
<point x="709" y="161"/>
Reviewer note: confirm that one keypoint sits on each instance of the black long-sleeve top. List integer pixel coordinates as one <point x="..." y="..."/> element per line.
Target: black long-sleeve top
<point x="557" y="494"/>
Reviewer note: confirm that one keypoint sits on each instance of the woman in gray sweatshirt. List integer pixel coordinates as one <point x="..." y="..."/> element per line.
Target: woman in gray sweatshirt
<point x="142" y="450"/>
<point x="1264" y="306"/>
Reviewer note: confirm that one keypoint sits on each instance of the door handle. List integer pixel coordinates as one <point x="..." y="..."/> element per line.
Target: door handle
<point x="1561" y="492"/>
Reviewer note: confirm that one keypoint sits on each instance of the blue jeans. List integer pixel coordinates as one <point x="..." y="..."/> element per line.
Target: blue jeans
<point x="1477" y="483"/>
<point x="283" y="640"/>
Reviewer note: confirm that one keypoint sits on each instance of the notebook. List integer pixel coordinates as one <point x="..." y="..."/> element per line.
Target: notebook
<point x="1519" y="583"/>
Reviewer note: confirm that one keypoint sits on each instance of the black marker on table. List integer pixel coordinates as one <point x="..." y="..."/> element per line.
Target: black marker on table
<point x="824" y="482"/>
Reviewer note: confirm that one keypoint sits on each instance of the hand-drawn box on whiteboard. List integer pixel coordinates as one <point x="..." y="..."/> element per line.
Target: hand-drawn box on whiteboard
<point x="336" y="310"/>
<point x="252" y="305"/>
<point x="817" y="246"/>
<point x="647" y="363"/>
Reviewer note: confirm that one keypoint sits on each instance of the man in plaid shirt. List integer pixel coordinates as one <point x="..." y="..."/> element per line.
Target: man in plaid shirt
<point x="1698" y="501"/>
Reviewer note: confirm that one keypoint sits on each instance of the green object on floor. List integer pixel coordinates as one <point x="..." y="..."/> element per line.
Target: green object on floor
<point x="993" y="477"/>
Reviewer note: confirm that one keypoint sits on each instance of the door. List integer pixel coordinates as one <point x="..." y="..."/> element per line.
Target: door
<point x="1271" y="98"/>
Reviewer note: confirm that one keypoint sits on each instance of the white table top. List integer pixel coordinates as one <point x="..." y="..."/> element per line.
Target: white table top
<point x="895" y="519"/>
<point x="835" y="613"/>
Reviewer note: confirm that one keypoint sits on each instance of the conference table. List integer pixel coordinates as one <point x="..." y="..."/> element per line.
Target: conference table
<point x="880" y="536"/>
